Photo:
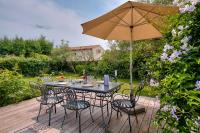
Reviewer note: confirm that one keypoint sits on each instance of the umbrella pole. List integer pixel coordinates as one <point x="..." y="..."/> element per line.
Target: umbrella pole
<point x="131" y="65"/>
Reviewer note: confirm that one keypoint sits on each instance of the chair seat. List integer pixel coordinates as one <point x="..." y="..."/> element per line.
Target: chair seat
<point x="138" y="109"/>
<point x="80" y="91"/>
<point x="76" y="104"/>
<point x="122" y="103"/>
<point x="51" y="100"/>
<point x="103" y="94"/>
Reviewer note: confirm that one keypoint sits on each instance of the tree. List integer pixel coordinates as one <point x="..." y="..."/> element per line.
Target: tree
<point x="165" y="2"/>
<point x="6" y="47"/>
<point x="46" y="46"/>
<point x="19" y="46"/>
<point x="117" y="58"/>
<point x="62" y="52"/>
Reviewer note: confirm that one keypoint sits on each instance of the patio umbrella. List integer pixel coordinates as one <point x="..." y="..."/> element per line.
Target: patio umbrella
<point x="131" y="21"/>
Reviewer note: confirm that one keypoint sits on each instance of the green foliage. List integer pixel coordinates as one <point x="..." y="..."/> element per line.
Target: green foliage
<point x="26" y="66"/>
<point x="33" y="67"/>
<point x="12" y="88"/>
<point x="80" y="68"/>
<point x="61" y="53"/>
<point x="89" y="68"/>
<point x="21" y="47"/>
<point x="117" y="58"/>
<point x="165" y="2"/>
<point x="178" y="78"/>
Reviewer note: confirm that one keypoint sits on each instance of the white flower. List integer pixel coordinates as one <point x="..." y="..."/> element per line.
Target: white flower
<point x="175" y="2"/>
<point x="184" y="47"/>
<point x="186" y="27"/>
<point x="173" y="112"/>
<point x="185" y="39"/>
<point x="180" y="33"/>
<point x="174" y="55"/>
<point x="187" y="8"/>
<point x="154" y="83"/>
<point x="164" y="56"/>
<point x="197" y="85"/>
<point x="197" y="122"/>
<point x="167" y="47"/>
<point x="194" y="2"/>
<point x="150" y="73"/>
<point x="166" y="108"/>
<point x="173" y="32"/>
<point x="190" y="8"/>
<point x="180" y="27"/>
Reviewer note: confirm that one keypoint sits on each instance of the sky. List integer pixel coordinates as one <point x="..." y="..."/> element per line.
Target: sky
<point x="54" y="19"/>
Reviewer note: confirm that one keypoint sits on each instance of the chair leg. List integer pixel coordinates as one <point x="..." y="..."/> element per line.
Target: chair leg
<point x="104" y="122"/>
<point x="39" y="111"/>
<point x="107" y="109"/>
<point x="55" y="108"/>
<point x="50" y="109"/>
<point x="91" y="114"/>
<point x="110" y="114"/>
<point x="94" y="103"/>
<point x="64" y="118"/>
<point x="129" y="120"/>
<point x="83" y="95"/>
<point x="117" y="112"/>
<point x="135" y="116"/>
<point x="120" y="113"/>
<point x="76" y="114"/>
<point x="79" y="115"/>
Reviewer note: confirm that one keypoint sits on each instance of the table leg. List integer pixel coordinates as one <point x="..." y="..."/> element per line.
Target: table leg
<point x="104" y="122"/>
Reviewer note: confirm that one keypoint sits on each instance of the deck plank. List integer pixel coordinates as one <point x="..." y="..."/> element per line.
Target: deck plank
<point x="137" y="126"/>
<point x="21" y="118"/>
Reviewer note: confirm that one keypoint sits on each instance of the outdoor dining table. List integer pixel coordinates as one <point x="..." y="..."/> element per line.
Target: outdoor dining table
<point x="98" y="87"/>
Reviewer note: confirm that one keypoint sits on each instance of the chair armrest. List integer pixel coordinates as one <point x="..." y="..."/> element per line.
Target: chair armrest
<point x="124" y="90"/>
<point x="124" y="96"/>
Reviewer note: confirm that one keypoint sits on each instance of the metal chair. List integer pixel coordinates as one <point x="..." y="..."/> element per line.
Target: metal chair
<point x="72" y="103"/>
<point x="104" y="98"/>
<point x="48" y="98"/>
<point x="127" y="104"/>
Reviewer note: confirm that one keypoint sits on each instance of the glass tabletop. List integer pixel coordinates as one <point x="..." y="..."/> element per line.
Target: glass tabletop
<point x="91" y="87"/>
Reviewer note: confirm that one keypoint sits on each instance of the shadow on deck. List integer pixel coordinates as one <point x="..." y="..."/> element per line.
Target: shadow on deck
<point x="21" y="117"/>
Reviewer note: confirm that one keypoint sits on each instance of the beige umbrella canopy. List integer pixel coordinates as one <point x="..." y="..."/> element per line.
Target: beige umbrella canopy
<point x="131" y="21"/>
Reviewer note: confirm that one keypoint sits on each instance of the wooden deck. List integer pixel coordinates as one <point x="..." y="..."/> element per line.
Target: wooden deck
<point x="21" y="118"/>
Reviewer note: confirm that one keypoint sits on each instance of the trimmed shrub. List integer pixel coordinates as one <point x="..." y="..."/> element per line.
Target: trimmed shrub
<point x="25" y="66"/>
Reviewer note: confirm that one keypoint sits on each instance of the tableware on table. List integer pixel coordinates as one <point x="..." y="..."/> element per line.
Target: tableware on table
<point x="100" y="82"/>
<point x="106" y="80"/>
<point x="87" y="85"/>
<point x="62" y="83"/>
<point x="115" y="73"/>
<point x="79" y="80"/>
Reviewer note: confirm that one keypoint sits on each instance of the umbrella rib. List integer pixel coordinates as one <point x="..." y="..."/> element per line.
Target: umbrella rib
<point x="118" y="24"/>
<point x="153" y="21"/>
<point x="149" y="21"/>
<point x="141" y="24"/>
<point x="143" y="17"/>
<point x="120" y="18"/>
<point x="150" y="11"/>
<point x="114" y="27"/>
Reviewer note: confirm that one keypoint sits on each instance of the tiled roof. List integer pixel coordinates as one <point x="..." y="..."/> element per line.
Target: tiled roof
<point x="84" y="47"/>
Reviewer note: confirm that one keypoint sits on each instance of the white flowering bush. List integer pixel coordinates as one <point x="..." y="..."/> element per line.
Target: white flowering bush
<point x="175" y="71"/>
